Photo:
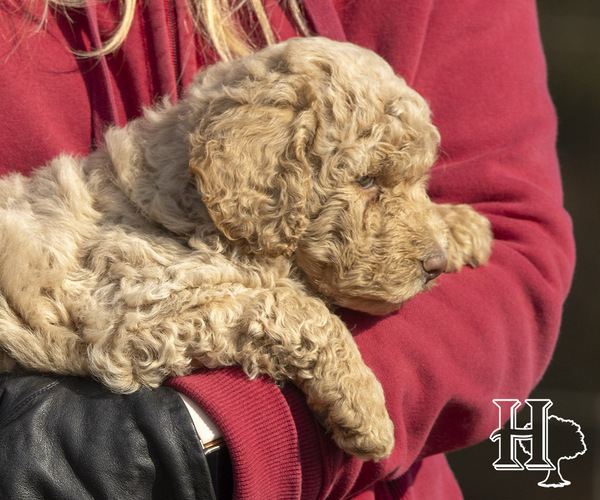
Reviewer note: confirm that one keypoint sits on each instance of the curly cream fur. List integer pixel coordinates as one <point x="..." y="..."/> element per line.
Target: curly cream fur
<point x="220" y="230"/>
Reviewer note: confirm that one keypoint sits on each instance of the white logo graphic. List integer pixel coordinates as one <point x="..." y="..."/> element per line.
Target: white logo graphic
<point x="533" y="440"/>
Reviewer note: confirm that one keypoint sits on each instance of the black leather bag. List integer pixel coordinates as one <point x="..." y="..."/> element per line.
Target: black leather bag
<point x="70" y="438"/>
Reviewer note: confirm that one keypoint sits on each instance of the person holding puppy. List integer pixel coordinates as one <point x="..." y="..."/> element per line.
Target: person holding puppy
<point x="99" y="63"/>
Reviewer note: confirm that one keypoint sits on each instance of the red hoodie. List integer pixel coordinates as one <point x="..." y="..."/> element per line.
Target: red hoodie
<point x="479" y="335"/>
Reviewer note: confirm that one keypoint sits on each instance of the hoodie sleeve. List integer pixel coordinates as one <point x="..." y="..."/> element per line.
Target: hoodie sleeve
<point x="479" y="334"/>
<point x="490" y="332"/>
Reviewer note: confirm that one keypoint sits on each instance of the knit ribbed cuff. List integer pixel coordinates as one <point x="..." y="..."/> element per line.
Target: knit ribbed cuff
<point x="261" y="426"/>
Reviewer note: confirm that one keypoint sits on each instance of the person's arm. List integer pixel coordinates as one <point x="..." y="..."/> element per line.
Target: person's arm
<point x="484" y="333"/>
<point x="480" y="334"/>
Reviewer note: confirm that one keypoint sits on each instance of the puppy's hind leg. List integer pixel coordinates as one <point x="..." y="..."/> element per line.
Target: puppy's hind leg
<point x="294" y="336"/>
<point x="53" y="349"/>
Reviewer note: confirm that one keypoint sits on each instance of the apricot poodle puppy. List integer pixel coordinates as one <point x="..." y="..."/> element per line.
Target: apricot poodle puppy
<point x="223" y="229"/>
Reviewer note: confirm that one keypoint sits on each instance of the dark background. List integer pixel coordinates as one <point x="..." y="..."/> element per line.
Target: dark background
<point x="571" y="35"/>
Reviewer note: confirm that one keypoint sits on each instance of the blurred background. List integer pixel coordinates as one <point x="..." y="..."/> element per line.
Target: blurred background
<point x="571" y="35"/>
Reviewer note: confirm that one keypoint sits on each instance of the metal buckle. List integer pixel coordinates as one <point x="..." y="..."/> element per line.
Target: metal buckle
<point x="213" y="446"/>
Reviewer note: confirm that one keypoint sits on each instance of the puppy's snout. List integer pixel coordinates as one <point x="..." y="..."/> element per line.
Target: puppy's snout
<point x="435" y="265"/>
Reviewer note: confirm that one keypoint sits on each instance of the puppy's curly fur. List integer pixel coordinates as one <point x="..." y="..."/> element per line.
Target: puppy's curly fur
<point x="220" y="230"/>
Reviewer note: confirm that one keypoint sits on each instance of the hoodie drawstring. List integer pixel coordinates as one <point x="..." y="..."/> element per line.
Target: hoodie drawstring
<point x="102" y="95"/>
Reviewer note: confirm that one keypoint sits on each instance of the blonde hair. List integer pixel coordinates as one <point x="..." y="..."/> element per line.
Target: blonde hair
<point x="217" y="21"/>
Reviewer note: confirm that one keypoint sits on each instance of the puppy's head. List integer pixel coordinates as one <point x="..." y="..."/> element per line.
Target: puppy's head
<point x="315" y="149"/>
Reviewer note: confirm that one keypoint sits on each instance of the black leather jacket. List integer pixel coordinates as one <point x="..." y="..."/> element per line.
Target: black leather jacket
<point x="69" y="438"/>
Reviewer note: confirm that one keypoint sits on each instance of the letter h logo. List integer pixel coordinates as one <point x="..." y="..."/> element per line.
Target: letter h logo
<point x="535" y="432"/>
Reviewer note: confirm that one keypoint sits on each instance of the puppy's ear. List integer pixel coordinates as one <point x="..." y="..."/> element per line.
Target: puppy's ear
<point x="249" y="163"/>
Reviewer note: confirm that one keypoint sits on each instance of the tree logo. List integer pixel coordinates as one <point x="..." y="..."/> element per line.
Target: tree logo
<point x="535" y="439"/>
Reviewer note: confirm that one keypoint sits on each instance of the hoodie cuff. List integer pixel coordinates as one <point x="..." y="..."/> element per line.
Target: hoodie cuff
<point x="273" y="440"/>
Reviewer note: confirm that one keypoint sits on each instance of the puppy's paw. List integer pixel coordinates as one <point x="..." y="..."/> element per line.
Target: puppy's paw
<point x="355" y="415"/>
<point x="374" y="443"/>
<point x="469" y="236"/>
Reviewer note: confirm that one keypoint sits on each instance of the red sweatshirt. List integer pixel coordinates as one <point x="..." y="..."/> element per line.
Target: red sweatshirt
<point x="480" y="334"/>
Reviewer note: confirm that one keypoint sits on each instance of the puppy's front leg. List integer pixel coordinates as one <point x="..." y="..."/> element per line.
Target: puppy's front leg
<point x="293" y="336"/>
<point x="469" y="236"/>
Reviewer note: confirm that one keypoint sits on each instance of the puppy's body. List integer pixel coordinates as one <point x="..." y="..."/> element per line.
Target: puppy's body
<point x="217" y="231"/>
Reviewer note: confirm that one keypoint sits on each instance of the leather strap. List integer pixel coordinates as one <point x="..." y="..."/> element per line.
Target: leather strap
<point x="220" y="468"/>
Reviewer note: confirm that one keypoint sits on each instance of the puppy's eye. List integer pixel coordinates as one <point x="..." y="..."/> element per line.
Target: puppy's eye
<point x="366" y="181"/>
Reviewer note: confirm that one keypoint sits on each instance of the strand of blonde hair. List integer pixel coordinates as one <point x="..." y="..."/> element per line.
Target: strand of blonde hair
<point x="215" y="21"/>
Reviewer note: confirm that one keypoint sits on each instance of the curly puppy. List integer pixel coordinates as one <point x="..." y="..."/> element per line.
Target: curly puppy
<point x="221" y="230"/>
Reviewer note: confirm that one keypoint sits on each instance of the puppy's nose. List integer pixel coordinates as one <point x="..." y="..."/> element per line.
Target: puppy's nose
<point x="435" y="265"/>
